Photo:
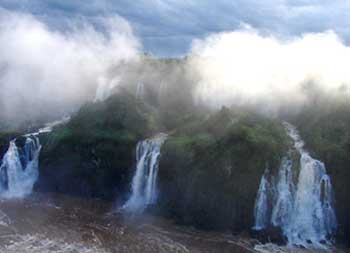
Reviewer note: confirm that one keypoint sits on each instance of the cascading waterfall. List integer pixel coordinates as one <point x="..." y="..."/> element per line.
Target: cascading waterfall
<point x="313" y="218"/>
<point x="261" y="204"/>
<point x="302" y="201"/>
<point x="19" y="168"/>
<point x="284" y="194"/>
<point x="144" y="182"/>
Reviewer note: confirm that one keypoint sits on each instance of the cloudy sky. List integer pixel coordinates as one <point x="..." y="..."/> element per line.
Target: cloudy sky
<point x="167" y="27"/>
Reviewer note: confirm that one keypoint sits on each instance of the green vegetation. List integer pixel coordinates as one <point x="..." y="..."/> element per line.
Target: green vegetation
<point x="93" y="154"/>
<point x="211" y="168"/>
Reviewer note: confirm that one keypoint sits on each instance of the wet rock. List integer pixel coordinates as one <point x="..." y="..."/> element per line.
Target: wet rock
<point x="5" y="138"/>
<point x="270" y="235"/>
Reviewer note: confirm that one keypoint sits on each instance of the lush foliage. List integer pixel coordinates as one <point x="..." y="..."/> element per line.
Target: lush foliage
<point x="93" y="154"/>
<point x="211" y="168"/>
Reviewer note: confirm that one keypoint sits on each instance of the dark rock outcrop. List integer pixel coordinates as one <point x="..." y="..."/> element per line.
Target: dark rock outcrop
<point x="270" y="235"/>
<point x="5" y="139"/>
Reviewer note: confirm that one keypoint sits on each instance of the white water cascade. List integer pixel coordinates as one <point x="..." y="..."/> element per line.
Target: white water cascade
<point x="261" y="204"/>
<point x="302" y="200"/>
<point x="144" y="182"/>
<point x="19" y="168"/>
<point x="284" y="194"/>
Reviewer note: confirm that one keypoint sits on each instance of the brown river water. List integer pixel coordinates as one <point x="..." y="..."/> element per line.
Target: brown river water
<point x="45" y="223"/>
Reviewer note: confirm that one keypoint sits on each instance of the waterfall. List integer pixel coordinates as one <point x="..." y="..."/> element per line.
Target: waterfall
<point x="261" y="204"/>
<point x="284" y="194"/>
<point x="105" y="88"/>
<point x="303" y="202"/>
<point x="144" y="182"/>
<point x="313" y="218"/>
<point x="140" y="90"/>
<point x="19" y="168"/>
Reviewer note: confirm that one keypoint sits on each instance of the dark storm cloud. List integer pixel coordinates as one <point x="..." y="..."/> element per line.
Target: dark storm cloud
<point x="167" y="27"/>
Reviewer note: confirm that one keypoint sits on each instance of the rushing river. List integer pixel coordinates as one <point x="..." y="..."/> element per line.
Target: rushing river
<point x="56" y="223"/>
<point x="44" y="223"/>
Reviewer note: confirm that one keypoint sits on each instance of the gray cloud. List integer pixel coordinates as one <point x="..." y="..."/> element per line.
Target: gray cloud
<point x="167" y="27"/>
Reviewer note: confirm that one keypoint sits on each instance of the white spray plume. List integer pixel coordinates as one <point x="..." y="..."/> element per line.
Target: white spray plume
<point x="43" y="71"/>
<point x="243" y="67"/>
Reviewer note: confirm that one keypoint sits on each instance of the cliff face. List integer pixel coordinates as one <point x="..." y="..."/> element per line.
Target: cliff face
<point x="210" y="169"/>
<point x="210" y="166"/>
<point x="93" y="155"/>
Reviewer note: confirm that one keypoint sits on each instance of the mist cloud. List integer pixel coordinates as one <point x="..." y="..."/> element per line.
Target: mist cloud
<point x="244" y="67"/>
<point x="47" y="72"/>
<point x="167" y="27"/>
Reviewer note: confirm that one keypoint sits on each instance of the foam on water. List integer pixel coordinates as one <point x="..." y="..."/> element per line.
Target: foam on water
<point x="35" y="243"/>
